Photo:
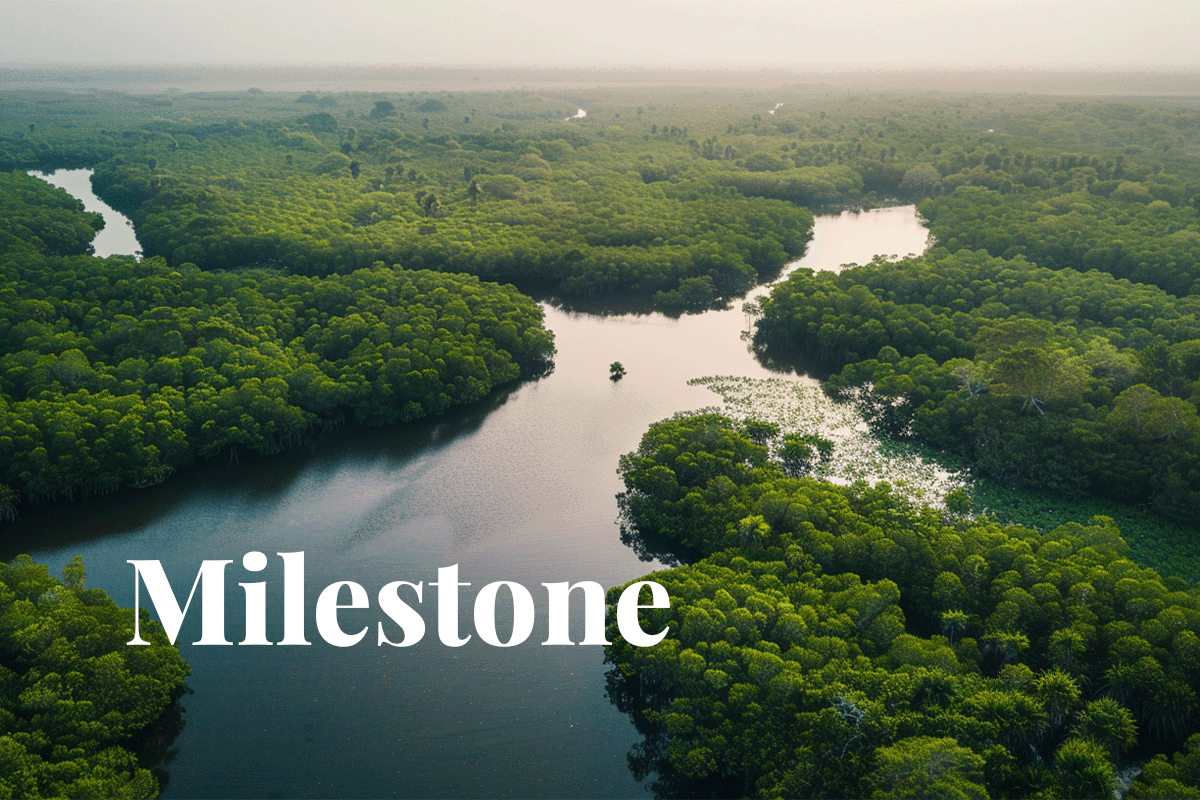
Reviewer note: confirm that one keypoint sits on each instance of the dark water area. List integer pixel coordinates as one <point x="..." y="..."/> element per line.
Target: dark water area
<point x="520" y="487"/>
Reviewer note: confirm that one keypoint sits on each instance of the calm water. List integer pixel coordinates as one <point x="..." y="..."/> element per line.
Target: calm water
<point x="518" y="488"/>
<point x="117" y="237"/>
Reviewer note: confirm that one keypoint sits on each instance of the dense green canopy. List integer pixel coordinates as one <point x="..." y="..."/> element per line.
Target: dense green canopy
<point x="117" y="373"/>
<point x="1071" y="381"/>
<point x="575" y="215"/>
<point x="81" y="713"/>
<point x="829" y="641"/>
<point x="675" y="196"/>
<point x="1128" y="232"/>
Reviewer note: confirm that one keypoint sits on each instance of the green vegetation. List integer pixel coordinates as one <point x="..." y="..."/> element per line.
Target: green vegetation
<point x="1130" y="231"/>
<point x="1040" y="367"/>
<point x="1072" y="382"/>
<point x="81" y="713"/>
<point x="825" y="640"/>
<point x="554" y="208"/>
<point x="923" y="476"/>
<point x="844" y="450"/>
<point x="115" y="373"/>
<point x="1170" y="547"/>
<point x="840" y="641"/>
<point x="679" y="197"/>
<point x="48" y="222"/>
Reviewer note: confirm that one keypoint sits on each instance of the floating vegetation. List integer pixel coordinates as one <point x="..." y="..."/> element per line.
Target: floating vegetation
<point x="800" y="407"/>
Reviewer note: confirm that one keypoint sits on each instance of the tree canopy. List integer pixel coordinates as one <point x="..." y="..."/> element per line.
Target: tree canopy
<point x="838" y="641"/>
<point x="81" y="713"/>
<point x="117" y="373"/>
<point x="1074" y="381"/>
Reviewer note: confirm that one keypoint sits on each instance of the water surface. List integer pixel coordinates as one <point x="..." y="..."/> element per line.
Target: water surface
<point x="519" y="487"/>
<point x="117" y="237"/>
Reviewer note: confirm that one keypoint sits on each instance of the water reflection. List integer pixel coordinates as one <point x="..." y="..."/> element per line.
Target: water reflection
<point x="256" y="481"/>
<point x="521" y="487"/>
<point x="117" y="238"/>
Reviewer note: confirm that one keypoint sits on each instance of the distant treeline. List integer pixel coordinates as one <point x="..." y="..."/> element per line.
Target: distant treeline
<point x="678" y="197"/>
<point x="556" y="214"/>
<point x="684" y="198"/>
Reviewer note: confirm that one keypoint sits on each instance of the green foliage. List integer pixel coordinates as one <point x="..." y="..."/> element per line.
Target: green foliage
<point x="922" y="766"/>
<point x="383" y="108"/>
<point x="838" y="641"/>
<point x="1168" y="546"/>
<point x="115" y="373"/>
<point x="1122" y="234"/>
<point x="75" y="701"/>
<point x="334" y="162"/>
<point x="1177" y="777"/>
<point x="699" y="185"/>
<point x="1037" y="378"/>
<point x="572" y="217"/>
<point x="685" y="483"/>
<point x="800" y="455"/>
<point x="37" y="215"/>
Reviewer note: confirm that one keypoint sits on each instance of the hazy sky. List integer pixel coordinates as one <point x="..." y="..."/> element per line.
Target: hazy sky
<point x="654" y="33"/>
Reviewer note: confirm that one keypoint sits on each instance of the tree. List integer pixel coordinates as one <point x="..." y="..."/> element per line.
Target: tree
<point x="924" y="766"/>
<point x="531" y="168"/>
<point x="382" y="109"/>
<point x="920" y="181"/>
<point x="78" y="702"/>
<point x="1059" y="695"/>
<point x="760" y="431"/>
<point x="431" y="205"/>
<point x="334" y="162"/>
<point x="1083" y="770"/>
<point x="1038" y="376"/>
<point x="616" y="371"/>
<point x="954" y="625"/>
<point x="802" y="454"/>
<point x="1110" y="725"/>
<point x="972" y="375"/>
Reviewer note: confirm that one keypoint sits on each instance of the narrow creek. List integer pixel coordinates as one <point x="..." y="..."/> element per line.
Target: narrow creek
<point x="117" y="236"/>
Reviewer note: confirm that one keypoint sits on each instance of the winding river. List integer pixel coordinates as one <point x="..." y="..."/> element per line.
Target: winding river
<point x="117" y="236"/>
<point x="520" y="487"/>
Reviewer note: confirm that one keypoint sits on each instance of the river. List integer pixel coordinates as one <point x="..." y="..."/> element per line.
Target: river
<point x="520" y="487"/>
<point x="117" y="236"/>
